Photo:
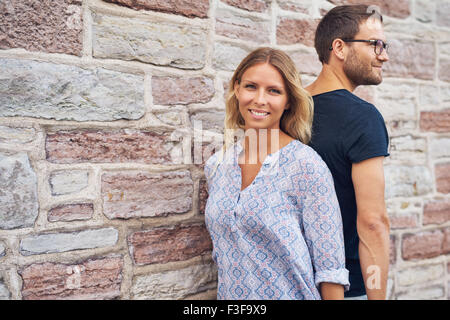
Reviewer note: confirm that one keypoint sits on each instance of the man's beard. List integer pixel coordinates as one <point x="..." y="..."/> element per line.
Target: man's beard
<point x="360" y="73"/>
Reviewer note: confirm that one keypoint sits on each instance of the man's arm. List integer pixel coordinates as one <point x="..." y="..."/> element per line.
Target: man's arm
<point x="331" y="291"/>
<point x="372" y="225"/>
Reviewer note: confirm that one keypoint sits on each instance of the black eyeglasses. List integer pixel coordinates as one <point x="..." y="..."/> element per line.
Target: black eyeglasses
<point x="378" y="45"/>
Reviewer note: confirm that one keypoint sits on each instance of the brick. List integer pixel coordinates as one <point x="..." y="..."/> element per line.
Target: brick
<point x="202" y="196"/>
<point x="68" y="241"/>
<point x="47" y="26"/>
<point x="96" y="279"/>
<point x="408" y="148"/>
<point x="397" y="101"/>
<point x="249" y="5"/>
<point x="411" y="59"/>
<point x="420" y="274"/>
<point x="210" y="119"/>
<point x="188" y="8"/>
<point x="62" y="92"/>
<point x="440" y="148"/>
<point x="392" y="250"/>
<point x="446" y="245"/>
<point x="444" y="69"/>
<point x="436" y="212"/>
<point x="292" y="5"/>
<point x="422" y="245"/>
<point x="407" y="181"/>
<point x="442" y="10"/>
<point x="227" y="56"/>
<point x="397" y="9"/>
<point x="177" y="284"/>
<point x="442" y="173"/>
<point x="16" y="135"/>
<point x="109" y="147"/>
<point x="18" y="192"/>
<point x="71" y="212"/>
<point x="293" y="31"/>
<point x="66" y="182"/>
<point x="170" y="91"/>
<point x="405" y="221"/>
<point x="435" y="121"/>
<point x="164" y="245"/>
<point x="164" y="44"/>
<point x="143" y="194"/>
<point x="306" y="62"/>
<point x="427" y="293"/>
<point x="237" y="26"/>
<point x="5" y="294"/>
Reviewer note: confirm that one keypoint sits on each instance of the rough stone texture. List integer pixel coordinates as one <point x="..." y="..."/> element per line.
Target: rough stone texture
<point x="435" y="121"/>
<point x="392" y="250"/>
<point x="442" y="10"/>
<point x="16" y="135"/>
<point x="293" y="5"/>
<point x="4" y="292"/>
<point x="250" y="5"/>
<point x="2" y="250"/>
<point x="163" y="245"/>
<point x="202" y="196"/>
<point x="444" y="69"/>
<point x="431" y="293"/>
<point x="411" y="59"/>
<point x="71" y="212"/>
<point x="397" y="9"/>
<point x="237" y="26"/>
<point x="66" y="182"/>
<point x="143" y="194"/>
<point x="440" y="148"/>
<point x="18" y="192"/>
<point x="306" y="63"/>
<point x="48" y="26"/>
<point x="95" y="279"/>
<point x="421" y="274"/>
<point x="174" y="285"/>
<point x="210" y="120"/>
<point x="164" y="44"/>
<point x="422" y="245"/>
<point x="188" y="8"/>
<point x="405" y="221"/>
<point x="407" y="181"/>
<point x="408" y="148"/>
<point x="62" y="242"/>
<point x="62" y="92"/>
<point x="442" y="173"/>
<point x="292" y="31"/>
<point x="108" y="146"/>
<point x="227" y="56"/>
<point x="169" y="90"/>
<point x="446" y="244"/>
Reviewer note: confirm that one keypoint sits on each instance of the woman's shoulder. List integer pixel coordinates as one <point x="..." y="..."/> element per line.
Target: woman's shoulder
<point x="306" y="157"/>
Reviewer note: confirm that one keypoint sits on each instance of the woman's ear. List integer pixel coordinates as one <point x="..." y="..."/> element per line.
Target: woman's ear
<point x="236" y="87"/>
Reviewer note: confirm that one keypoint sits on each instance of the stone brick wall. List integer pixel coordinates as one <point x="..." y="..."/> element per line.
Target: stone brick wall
<point x="101" y="194"/>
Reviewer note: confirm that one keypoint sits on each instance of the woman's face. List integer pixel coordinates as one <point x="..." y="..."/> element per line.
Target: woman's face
<point x="262" y="97"/>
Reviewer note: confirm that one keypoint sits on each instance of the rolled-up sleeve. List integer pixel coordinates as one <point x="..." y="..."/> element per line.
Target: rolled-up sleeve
<point x="322" y="223"/>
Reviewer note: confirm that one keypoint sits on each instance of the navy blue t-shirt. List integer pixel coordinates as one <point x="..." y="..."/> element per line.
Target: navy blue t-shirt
<point x="347" y="130"/>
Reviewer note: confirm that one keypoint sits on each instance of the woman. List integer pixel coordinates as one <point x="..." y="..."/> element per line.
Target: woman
<point x="273" y="218"/>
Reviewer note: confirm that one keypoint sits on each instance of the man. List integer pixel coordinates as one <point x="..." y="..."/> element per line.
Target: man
<point x="351" y="137"/>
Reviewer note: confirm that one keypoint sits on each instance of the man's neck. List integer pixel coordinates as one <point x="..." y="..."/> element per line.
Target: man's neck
<point x="330" y="79"/>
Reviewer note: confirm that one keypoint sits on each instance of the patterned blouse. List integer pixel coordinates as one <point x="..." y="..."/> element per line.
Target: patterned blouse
<point x="280" y="237"/>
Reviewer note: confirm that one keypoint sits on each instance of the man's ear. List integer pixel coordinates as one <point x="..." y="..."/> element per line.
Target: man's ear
<point x="339" y="49"/>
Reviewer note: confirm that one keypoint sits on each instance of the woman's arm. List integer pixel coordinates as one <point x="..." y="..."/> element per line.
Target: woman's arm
<point x="331" y="291"/>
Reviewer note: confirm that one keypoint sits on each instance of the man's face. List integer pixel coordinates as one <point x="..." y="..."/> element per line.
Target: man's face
<point x="361" y="65"/>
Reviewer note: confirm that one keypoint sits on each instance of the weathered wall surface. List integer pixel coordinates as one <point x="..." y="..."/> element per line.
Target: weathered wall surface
<point x="101" y="196"/>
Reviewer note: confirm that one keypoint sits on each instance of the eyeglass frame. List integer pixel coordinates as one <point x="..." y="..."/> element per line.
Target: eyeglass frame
<point x="385" y="45"/>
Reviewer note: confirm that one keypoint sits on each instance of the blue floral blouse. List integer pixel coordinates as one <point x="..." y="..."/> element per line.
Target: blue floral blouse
<point x="280" y="237"/>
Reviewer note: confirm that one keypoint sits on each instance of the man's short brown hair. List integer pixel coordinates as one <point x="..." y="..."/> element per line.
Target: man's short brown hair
<point x="341" y="22"/>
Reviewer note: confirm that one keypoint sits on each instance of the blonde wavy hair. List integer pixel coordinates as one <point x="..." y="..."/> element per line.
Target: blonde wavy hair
<point x="296" y="121"/>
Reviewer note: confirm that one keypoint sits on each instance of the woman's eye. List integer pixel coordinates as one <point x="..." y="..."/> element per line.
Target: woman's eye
<point x="250" y="86"/>
<point x="276" y="91"/>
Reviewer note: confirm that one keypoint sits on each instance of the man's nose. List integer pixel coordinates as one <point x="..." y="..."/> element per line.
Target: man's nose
<point x="383" y="56"/>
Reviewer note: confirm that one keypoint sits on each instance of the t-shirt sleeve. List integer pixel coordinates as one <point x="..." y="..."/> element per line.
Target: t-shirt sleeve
<point x="365" y="135"/>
